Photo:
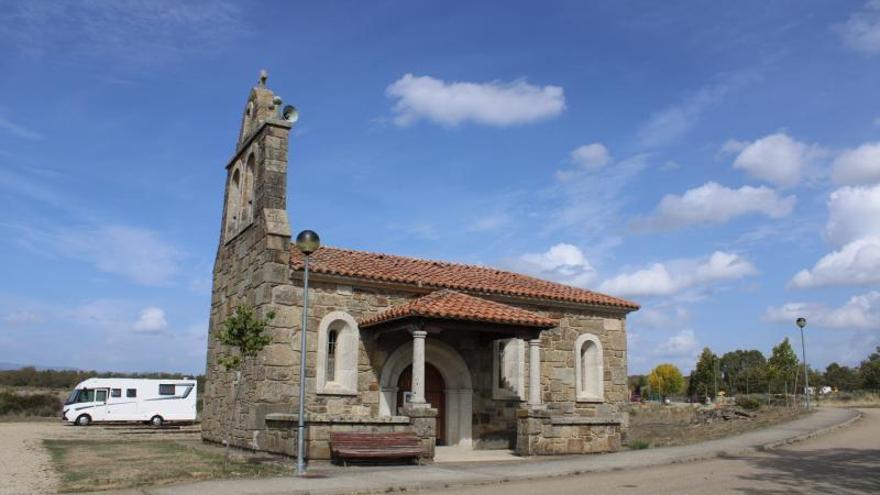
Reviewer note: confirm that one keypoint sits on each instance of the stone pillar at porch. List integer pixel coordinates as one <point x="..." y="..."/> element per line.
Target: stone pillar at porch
<point x="534" y="373"/>
<point x="418" y="369"/>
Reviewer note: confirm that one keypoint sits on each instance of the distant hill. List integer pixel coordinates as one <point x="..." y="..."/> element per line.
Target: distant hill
<point x="4" y="366"/>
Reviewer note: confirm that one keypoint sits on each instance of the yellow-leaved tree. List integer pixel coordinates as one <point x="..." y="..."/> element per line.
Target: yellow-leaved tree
<point x="666" y="379"/>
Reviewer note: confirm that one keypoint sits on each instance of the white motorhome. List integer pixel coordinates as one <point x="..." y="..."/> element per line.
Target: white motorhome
<point x="131" y="399"/>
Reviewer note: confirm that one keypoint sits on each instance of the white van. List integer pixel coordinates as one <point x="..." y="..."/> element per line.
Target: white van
<point x="131" y="399"/>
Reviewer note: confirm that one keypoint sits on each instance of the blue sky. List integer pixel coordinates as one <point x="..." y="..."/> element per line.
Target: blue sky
<point x="720" y="166"/>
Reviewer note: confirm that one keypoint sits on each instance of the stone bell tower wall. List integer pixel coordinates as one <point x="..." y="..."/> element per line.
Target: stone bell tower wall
<point x="252" y="267"/>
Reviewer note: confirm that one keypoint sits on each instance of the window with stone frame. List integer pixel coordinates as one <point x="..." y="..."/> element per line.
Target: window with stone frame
<point x="338" y="351"/>
<point x="508" y="369"/>
<point x="589" y="369"/>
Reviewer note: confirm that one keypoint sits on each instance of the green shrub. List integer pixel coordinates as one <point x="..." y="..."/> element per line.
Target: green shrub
<point x="747" y="402"/>
<point x="639" y="444"/>
<point x="29" y="404"/>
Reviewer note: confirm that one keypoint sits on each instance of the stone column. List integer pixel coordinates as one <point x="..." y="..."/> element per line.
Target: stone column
<point x="534" y="373"/>
<point x="418" y="368"/>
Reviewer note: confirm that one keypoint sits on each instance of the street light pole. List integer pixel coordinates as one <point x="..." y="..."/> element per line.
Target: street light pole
<point x="307" y="242"/>
<point x="802" y="322"/>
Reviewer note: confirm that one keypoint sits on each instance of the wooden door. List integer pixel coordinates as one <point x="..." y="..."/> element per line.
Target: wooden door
<point x="435" y="394"/>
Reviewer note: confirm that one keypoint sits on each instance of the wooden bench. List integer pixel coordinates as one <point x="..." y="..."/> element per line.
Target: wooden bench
<point x="395" y="445"/>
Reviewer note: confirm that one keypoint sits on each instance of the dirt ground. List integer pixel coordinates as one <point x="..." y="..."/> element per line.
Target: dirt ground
<point x="25" y="466"/>
<point x="41" y="457"/>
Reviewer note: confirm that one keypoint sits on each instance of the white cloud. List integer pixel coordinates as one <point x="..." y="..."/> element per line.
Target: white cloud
<point x="671" y="123"/>
<point x="152" y="319"/>
<point x="861" y="312"/>
<point x="591" y="156"/>
<point x="138" y="254"/>
<point x="776" y="158"/>
<point x="861" y="32"/>
<point x="858" y="166"/>
<point x="712" y="203"/>
<point x="681" y="345"/>
<point x="854" y="212"/>
<point x="660" y="317"/>
<point x="494" y="103"/>
<point x="563" y="263"/>
<point x="678" y="275"/>
<point x="856" y="263"/>
<point x="20" y="131"/>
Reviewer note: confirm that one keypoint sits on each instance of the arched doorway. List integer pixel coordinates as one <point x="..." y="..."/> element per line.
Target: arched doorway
<point x="457" y="395"/>
<point x="435" y="394"/>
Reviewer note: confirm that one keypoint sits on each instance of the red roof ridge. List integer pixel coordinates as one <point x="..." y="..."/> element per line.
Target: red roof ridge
<point x="448" y="275"/>
<point x="452" y="304"/>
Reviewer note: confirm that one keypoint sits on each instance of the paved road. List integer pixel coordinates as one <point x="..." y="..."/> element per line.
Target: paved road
<point x="846" y="461"/>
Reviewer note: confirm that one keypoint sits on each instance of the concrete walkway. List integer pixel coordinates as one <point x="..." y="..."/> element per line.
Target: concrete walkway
<point x="331" y="480"/>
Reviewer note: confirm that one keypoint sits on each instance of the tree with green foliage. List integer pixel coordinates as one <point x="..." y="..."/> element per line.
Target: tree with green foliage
<point x="842" y="377"/>
<point x="869" y="371"/>
<point x="743" y="371"/>
<point x="243" y="333"/>
<point x="666" y="380"/>
<point x="637" y="383"/>
<point x="703" y="378"/>
<point x="783" y="367"/>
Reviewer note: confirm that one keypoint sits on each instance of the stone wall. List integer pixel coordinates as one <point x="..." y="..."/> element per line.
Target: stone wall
<point x="541" y="433"/>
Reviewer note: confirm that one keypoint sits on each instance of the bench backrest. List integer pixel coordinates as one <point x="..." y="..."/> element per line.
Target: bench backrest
<point x="391" y="439"/>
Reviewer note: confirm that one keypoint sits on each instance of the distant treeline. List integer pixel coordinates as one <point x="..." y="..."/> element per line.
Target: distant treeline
<point x="67" y="379"/>
<point x="748" y="371"/>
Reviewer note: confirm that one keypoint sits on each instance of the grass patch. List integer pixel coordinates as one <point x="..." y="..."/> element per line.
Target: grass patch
<point x="639" y="444"/>
<point x="92" y="465"/>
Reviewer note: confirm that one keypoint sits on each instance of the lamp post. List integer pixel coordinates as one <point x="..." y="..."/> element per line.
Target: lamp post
<point x="801" y="323"/>
<point x="307" y="242"/>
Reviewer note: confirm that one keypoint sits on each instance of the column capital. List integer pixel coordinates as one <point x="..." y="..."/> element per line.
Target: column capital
<point x="534" y="342"/>
<point x="419" y="334"/>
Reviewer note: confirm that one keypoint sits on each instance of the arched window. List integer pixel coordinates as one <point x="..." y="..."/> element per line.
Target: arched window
<point x="338" y="350"/>
<point x="589" y="369"/>
<point x="247" y="193"/>
<point x="233" y="207"/>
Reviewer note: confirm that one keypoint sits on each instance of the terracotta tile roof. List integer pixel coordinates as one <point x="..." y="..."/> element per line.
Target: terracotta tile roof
<point x="449" y="304"/>
<point x="445" y="275"/>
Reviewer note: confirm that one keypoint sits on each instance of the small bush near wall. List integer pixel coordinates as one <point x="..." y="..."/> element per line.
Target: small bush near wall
<point x="39" y="404"/>
<point x="748" y="402"/>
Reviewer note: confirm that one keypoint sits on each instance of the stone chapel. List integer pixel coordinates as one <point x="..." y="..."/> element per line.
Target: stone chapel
<point x="462" y="355"/>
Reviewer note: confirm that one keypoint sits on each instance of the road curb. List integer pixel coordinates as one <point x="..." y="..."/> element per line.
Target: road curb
<point x="806" y="436"/>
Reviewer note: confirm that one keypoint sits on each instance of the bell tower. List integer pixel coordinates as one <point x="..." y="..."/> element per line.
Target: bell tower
<point x="252" y="266"/>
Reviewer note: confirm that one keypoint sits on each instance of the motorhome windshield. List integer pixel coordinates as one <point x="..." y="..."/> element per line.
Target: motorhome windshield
<point x="80" y="395"/>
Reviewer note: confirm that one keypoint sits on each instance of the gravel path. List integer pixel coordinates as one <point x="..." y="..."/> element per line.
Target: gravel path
<point x="25" y="467"/>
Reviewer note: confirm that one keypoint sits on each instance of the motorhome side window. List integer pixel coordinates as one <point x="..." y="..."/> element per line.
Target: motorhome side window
<point x="131" y="392"/>
<point x="166" y="389"/>
<point x="115" y="392"/>
<point x="101" y="395"/>
<point x="86" y="395"/>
